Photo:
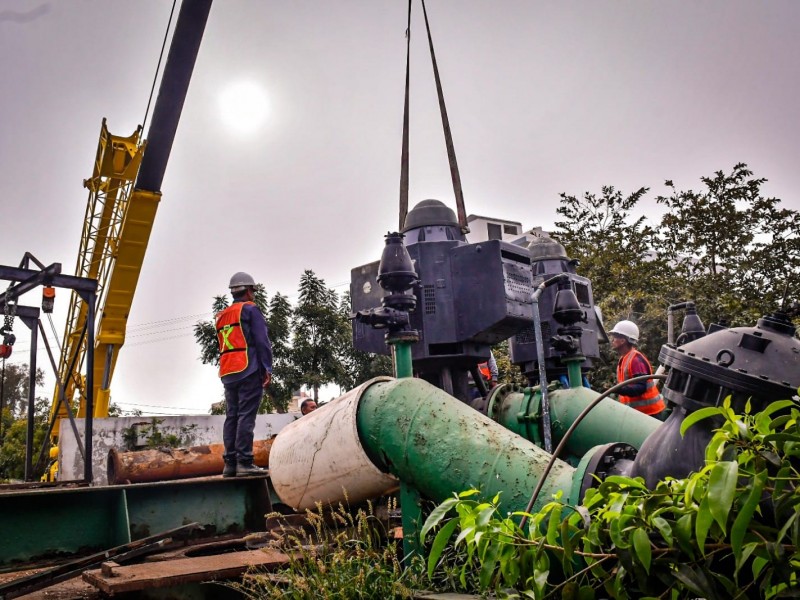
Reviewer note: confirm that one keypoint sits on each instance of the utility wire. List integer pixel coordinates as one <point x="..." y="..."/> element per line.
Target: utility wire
<point x="138" y="330"/>
<point x="158" y="66"/>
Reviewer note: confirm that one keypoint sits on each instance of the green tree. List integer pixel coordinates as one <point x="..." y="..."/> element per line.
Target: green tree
<point x="736" y="251"/>
<point x="506" y="371"/>
<point x="283" y="373"/>
<point x="615" y="252"/>
<point x="318" y="335"/>
<point x="14" y="383"/>
<point x="14" y="388"/>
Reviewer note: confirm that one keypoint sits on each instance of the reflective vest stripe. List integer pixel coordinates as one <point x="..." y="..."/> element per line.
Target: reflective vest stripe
<point x="484" y="370"/>
<point x="650" y="402"/>
<point x="232" y="341"/>
<point x="225" y="341"/>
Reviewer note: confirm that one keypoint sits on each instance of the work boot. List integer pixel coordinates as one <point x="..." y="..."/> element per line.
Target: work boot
<point x="246" y="467"/>
<point x="230" y="469"/>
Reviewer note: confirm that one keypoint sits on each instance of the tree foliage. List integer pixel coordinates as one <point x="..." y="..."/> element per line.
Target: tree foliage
<point x="615" y="251"/>
<point x="283" y="372"/>
<point x="320" y="334"/>
<point x="14" y="382"/>
<point x="728" y="237"/>
<point x="727" y="247"/>
<point x="507" y="372"/>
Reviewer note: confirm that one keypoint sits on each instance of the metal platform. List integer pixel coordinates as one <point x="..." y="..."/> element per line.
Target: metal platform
<point x="43" y="525"/>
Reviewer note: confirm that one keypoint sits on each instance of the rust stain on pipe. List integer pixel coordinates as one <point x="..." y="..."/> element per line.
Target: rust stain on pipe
<point x="175" y="463"/>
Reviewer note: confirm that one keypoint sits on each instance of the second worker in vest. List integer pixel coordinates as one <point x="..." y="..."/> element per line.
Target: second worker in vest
<point x="642" y="395"/>
<point x="245" y="367"/>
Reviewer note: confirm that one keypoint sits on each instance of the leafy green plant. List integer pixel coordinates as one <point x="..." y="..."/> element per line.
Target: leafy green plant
<point x="731" y="530"/>
<point x="341" y="556"/>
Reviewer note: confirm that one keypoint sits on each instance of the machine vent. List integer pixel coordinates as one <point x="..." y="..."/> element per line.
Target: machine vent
<point x="526" y="336"/>
<point x="429" y="296"/>
<point x="518" y="283"/>
<point x="582" y="293"/>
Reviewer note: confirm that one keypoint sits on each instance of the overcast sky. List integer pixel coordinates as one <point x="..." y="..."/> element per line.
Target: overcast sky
<point x="543" y="98"/>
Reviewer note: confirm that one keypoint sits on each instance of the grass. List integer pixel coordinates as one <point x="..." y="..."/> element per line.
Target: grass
<point x="341" y="555"/>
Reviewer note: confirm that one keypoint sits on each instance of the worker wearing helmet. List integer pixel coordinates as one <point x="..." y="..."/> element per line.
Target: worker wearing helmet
<point x="245" y="367"/>
<point x="488" y="371"/>
<point x="643" y="395"/>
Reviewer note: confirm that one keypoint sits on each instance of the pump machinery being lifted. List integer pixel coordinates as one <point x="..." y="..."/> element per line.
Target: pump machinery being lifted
<point x="422" y="432"/>
<point x="437" y="303"/>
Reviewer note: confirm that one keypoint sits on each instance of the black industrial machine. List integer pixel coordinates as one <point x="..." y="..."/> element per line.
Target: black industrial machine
<point x="570" y="324"/>
<point x="758" y="364"/>
<point x="469" y="297"/>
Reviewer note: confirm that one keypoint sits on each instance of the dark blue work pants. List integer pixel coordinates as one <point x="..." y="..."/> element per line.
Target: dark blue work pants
<point x="242" y="399"/>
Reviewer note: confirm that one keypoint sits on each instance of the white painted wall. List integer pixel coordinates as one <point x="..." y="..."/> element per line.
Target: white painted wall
<point x="108" y="433"/>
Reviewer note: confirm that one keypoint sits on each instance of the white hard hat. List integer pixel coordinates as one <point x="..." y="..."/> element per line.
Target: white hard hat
<point x="240" y="280"/>
<point x="627" y="329"/>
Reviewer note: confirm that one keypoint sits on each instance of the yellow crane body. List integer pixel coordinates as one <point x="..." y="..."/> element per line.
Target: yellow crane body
<point x="115" y="168"/>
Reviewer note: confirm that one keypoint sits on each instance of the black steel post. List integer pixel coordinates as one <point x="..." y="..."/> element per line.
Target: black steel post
<point x="31" y="401"/>
<point x="87" y="463"/>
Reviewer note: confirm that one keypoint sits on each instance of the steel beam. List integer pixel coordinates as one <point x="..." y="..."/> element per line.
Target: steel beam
<point x="79" y="284"/>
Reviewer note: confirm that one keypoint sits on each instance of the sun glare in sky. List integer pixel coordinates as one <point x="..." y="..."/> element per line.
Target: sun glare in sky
<point x="244" y="107"/>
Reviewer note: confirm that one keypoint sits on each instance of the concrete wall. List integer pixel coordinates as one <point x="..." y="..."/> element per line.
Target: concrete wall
<point x="193" y="430"/>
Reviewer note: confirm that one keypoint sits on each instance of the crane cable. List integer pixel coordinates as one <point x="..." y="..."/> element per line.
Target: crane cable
<point x="158" y="66"/>
<point x="404" y="152"/>
<point x="448" y="135"/>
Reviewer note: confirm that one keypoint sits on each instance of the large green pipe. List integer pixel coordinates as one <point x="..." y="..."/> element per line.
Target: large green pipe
<point x="438" y="445"/>
<point x="609" y="421"/>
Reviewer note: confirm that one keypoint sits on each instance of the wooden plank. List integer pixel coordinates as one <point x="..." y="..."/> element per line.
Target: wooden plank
<point x="184" y="570"/>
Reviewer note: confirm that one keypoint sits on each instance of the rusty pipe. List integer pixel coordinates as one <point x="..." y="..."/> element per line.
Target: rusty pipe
<point x="175" y="463"/>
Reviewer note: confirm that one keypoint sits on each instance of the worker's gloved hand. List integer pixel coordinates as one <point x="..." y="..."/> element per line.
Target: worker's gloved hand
<point x="267" y="379"/>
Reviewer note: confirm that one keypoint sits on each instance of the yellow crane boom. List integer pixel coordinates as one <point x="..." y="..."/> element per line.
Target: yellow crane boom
<point x="124" y="194"/>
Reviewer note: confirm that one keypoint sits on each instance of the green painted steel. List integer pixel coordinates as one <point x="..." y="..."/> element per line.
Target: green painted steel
<point x="402" y="359"/>
<point x="413" y="519"/>
<point x="42" y="524"/>
<point x="574" y="374"/>
<point x="609" y="421"/>
<point x="438" y="445"/>
<point x="45" y="524"/>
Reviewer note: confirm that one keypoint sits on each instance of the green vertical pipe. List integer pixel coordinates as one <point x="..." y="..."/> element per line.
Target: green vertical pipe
<point x="609" y="421"/>
<point x="402" y="359"/>
<point x="413" y="519"/>
<point x="438" y="445"/>
<point x="574" y="373"/>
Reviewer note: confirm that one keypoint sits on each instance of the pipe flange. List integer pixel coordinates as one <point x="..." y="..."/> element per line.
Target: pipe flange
<point x="601" y="461"/>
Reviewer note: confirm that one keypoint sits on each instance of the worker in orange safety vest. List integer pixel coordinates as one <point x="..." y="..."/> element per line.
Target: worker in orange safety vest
<point x="643" y="395"/>
<point x="245" y="368"/>
<point x="488" y="371"/>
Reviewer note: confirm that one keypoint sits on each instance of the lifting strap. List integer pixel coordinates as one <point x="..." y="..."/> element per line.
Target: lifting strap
<point x="404" y="152"/>
<point x="448" y="135"/>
